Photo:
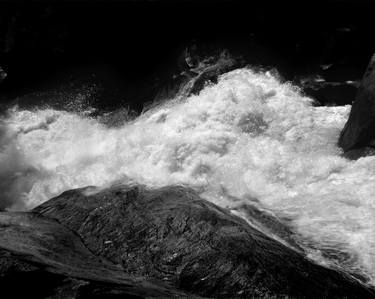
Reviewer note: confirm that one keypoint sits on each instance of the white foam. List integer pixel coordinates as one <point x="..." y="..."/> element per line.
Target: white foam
<point x="247" y="137"/>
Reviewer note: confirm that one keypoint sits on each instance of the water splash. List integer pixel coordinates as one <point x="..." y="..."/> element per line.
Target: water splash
<point x="249" y="139"/>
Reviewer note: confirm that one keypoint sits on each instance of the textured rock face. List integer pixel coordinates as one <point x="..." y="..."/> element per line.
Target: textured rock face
<point x="206" y="70"/>
<point x="172" y="235"/>
<point x="40" y="258"/>
<point x="359" y="131"/>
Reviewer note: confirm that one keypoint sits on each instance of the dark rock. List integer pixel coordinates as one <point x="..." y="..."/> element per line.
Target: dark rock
<point x="3" y="74"/>
<point x="329" y="93"/>
<point x="196" y="68"/>
<point x="359" y="130"/>
<point x="270" y="225"/>
<point x="40" y="258"/>
<point x="357" y="153"/>
<point x="173" y="235"/>
<point x="207" y="70"/>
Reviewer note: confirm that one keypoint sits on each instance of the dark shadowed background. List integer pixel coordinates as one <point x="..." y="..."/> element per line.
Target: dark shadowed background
<point x="132" y="48"/>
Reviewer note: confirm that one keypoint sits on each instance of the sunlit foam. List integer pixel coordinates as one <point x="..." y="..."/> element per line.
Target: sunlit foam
<point x="249" y="139"/>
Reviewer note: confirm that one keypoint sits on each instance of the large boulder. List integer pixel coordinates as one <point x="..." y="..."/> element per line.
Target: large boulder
<point x="40" y="258"/>
<point x="171" y="234"/>
<point x="358" y="136"/>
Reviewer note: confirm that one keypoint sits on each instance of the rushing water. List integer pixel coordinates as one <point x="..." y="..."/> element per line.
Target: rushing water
<point x="249" y="139"/>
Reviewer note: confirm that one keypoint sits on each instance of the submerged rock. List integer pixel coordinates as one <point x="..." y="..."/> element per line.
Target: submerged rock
<point x="171" y="234"/>
<point x="359" y="131"/>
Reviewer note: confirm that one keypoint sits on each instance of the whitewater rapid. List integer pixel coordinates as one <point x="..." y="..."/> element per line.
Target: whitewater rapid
<point x="249" y="139"/>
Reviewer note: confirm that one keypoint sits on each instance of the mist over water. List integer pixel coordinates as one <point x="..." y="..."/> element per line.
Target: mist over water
<point x="247" y="140"/>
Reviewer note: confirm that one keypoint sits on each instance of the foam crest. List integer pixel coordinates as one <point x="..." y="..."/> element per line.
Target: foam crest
<point x="249" y="139"/>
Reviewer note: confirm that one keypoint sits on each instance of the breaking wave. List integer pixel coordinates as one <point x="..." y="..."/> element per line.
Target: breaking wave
<point x="247" y="140"/>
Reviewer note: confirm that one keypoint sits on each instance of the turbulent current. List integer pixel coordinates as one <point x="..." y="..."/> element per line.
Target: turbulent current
<point x="247" y="140"/>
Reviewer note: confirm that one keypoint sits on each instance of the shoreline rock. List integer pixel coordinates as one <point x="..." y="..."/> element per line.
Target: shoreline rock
<point x="40" y="258"/>
<point x="173" y="235"/>
<point x="357" y="139"/>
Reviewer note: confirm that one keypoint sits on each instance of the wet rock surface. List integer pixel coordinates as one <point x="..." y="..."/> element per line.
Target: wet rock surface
<point x="40" y="258"/>
<point x="206" y="70"/>
<point x="171" y="234"/>
<point x="357" y="137"/>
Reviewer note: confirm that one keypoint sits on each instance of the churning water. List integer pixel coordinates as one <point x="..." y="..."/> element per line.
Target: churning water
<point x="249" y="139"/>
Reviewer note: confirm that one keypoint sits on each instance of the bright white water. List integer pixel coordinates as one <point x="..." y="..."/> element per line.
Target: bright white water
<point x="248" y="139"/>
